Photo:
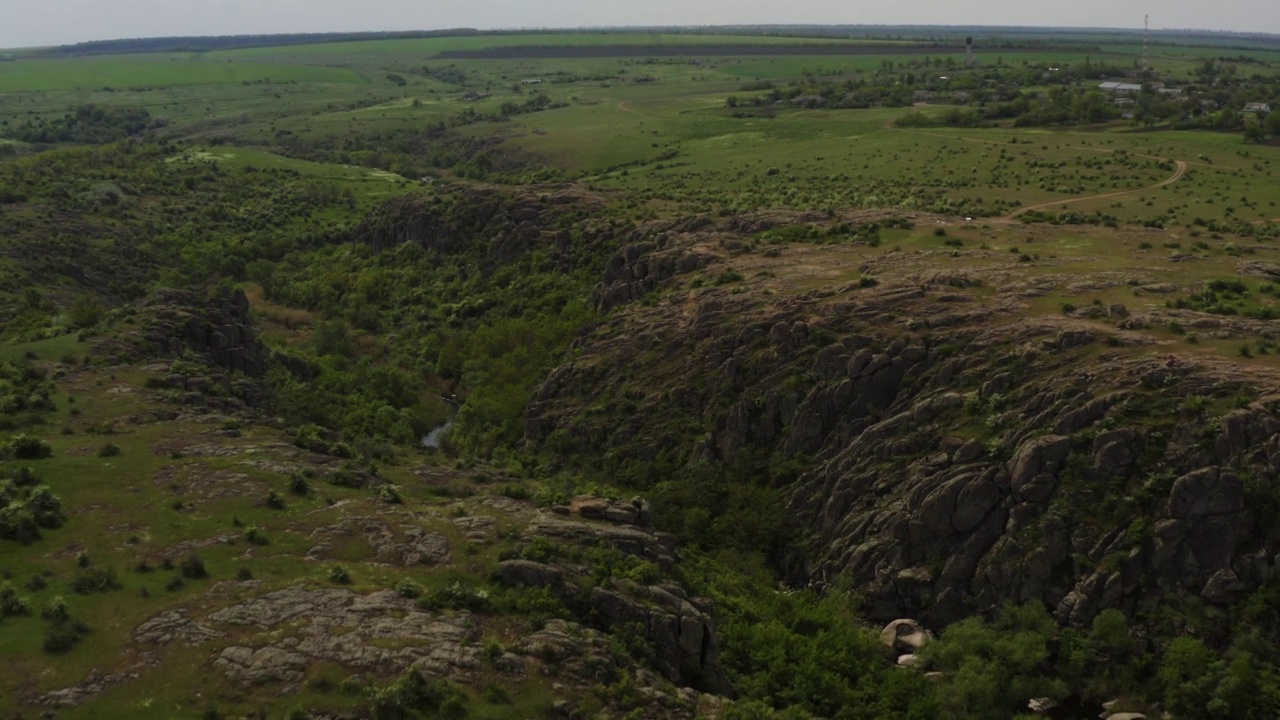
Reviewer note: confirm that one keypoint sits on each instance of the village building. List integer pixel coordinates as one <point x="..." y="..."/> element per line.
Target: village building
<point x="1119" y="88"/>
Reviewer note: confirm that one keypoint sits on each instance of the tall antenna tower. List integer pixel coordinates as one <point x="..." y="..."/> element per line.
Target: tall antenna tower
<point x="1146" y="40"/>
<point x="968" y="52"/>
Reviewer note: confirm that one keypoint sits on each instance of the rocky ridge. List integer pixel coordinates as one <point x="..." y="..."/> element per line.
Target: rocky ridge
<point x="254" y="633"/>
<point x="963" y="454"/>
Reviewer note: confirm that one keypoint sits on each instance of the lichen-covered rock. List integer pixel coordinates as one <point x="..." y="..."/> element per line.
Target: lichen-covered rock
<point x="416" y="547"/>
<point x="525" y="573"/>
<point x="627" y="538"/>
<point x="261" y="665"/>
<point x="174" y="626"/>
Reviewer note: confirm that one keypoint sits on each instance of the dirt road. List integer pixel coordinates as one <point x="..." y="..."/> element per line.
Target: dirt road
<point x="1177" y="175"/>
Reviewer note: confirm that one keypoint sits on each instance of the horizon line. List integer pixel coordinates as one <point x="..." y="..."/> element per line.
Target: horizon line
<point x="639" y="28"/>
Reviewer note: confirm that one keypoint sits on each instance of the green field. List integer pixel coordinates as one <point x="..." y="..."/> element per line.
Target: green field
<point x="123" y="74"/>
<point x="432" y="46"/>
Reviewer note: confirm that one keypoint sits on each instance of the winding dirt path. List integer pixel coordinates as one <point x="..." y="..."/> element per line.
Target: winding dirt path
<point x="1177" y="175"/>
<point x="1182" y="166"/>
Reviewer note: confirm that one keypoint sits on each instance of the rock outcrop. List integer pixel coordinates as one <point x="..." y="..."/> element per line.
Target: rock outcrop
<point x="962" y="455"/>
<point x="257" y="637"/>
<point x="417" y="547"/>
<point x="680" y="630"/>
<point x="219" y="328"/>
<point x="640" y="268"/>
<point x="284" y="632"/>
<point x="495" y="224"/>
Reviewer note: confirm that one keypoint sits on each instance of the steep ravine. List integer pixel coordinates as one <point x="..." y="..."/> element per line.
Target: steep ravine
<point x="962" y="454"/>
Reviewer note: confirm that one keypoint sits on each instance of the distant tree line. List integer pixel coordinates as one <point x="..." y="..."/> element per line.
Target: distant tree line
<point x="1213" y="100"/>
<point x="86" y="124"/>
<point x="236" y="42"/>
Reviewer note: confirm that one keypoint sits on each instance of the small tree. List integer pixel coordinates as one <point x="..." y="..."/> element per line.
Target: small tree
<point x="25" y="447"/>
<point x="1272" y="123"/>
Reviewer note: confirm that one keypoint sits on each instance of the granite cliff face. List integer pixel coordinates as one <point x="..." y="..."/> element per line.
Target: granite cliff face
<point x="219" y="329"/>
<point x="962" y="455"/>
<point x="495" y="224"/>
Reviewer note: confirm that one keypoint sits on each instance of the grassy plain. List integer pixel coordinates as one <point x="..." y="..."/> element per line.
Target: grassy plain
<point x="432" y="46"/>
<point x="138" y="72"/>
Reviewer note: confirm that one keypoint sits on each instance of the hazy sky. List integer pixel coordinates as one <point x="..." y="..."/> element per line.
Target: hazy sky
<point x="49" y="22"/>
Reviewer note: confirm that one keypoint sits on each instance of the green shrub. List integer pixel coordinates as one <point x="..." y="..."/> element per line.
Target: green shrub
<point x="86" y="312"/>
<point x="728" y="276"/>
<point x="94" y="580"/>
<point x="109" y="450"/>
<point x="23" y="476"/>
<point x="55" y="609"/>
<point x="346" y="479"/>
<point x="457" y="597"/>
<point x="25" y="447"/>
<point x="63" y="634"/>
<point x="492" y="649"/>
<point x="408" y="589"/>
<point x="339" y="575"/>
<point x="515" y="491"/>
<point x="192" y="568"/>
<point x="11" y="603"/>
<point x="415" y="696"/>
<point x="24" y="511"/>
<point x="494" y="694"/>
<point x="389" y="493"/>
<point x="542" y="550"/>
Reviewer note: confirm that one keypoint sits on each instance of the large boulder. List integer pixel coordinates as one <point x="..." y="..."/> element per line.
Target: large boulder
<point x="905" y="635"/>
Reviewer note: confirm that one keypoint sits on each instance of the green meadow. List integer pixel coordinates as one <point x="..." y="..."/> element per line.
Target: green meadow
<point x="41" y="75"/>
